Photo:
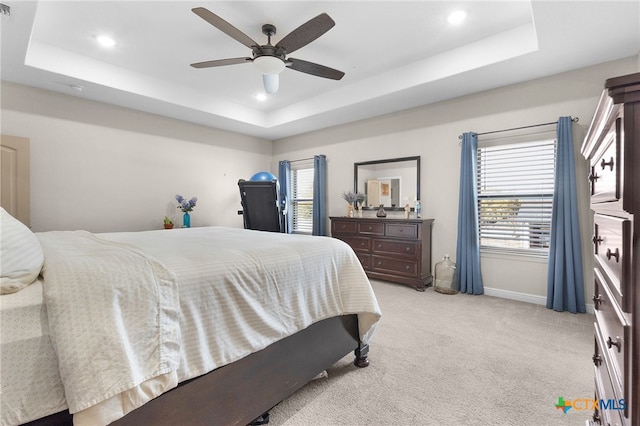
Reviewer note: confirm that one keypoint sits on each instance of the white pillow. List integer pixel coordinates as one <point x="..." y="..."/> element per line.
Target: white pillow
<point x="21" y="255"/>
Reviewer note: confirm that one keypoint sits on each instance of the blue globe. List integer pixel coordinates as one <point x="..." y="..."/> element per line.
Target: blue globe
<point x="263" y="176"/>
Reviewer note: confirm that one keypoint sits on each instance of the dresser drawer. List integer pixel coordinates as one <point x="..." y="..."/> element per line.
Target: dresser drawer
<point x="606" y="390"/>
<point x="406" y="268"/>
<point x="373" y="228"/>
<point x="404" y="248"/>
<point x="343" y="227"/>
<point x="612" y="249"/>
<point x="356" y="243"/>
<point x="404" y="230"/>
<point x="391" y="249"/>
<point x="605" y="168"/>
<point x="613" y="328"/>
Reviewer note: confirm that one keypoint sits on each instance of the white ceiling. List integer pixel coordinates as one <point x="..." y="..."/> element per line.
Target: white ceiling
<point x="396" y="54"/>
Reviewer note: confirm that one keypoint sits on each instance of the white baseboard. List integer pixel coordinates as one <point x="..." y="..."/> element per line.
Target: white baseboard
<point x="522" y="297"/>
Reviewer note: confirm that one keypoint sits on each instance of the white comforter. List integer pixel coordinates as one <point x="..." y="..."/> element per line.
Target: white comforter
<point x="237" y="292"/>
<point x="113" y="316"/>
<point x="253" y="288"/>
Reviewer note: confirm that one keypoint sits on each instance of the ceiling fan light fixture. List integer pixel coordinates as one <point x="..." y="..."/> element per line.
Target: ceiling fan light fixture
<point x="271" y="82"/>
<point x="269" y="64"/>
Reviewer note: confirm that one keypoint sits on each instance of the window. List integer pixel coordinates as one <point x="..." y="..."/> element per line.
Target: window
<point x="515" y="196"/>
<point x="302" y="197"/>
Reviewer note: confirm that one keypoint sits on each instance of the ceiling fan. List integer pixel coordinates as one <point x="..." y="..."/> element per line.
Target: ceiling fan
<point x="271" y="60"/>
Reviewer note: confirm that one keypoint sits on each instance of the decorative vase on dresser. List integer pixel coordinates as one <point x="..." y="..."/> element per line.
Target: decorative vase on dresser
<point x="612" y="146"/>
<point x="397" y="250"/>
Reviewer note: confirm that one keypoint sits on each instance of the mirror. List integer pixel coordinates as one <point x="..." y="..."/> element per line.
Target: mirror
<point x="392" y="182"/>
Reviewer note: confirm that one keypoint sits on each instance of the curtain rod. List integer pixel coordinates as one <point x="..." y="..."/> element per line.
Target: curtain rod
<point x="574" y="119"/>
<point x="302" y="159"/>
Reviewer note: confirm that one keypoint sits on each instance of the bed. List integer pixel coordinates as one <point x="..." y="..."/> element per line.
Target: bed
<point x="208" y="325"/>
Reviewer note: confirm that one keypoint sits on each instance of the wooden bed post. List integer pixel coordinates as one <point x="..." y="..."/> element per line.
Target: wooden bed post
<point x="362" y="355"/>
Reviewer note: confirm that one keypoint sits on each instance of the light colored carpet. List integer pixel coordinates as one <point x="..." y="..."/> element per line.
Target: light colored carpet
<point x="455" y="360"/>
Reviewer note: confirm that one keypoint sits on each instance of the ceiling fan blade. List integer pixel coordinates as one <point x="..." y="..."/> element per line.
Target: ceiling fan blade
<point x="221" y="62"/>
<point x="306" y="33"/>
<point x="224" y="26"/>
<point x="314" y="69"/>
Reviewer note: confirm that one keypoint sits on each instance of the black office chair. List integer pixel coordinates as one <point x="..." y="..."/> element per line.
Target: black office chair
<point x="260" y="209"/>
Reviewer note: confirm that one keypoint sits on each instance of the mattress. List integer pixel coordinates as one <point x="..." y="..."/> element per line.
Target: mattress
<point x="239" y="291"/>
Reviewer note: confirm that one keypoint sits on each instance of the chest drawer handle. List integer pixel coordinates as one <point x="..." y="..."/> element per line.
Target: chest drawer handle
<point x="407" y="249"/>
<point x="617" y="343"/>
<point x="597" y="240"/>
<point x="370" y="228"/>
<point x="597" y="360"/>
<point x="597" y="301"/>
<point x="604" y="164"/>
<point x="406" y="268"/>
<point x="615" y="254"/>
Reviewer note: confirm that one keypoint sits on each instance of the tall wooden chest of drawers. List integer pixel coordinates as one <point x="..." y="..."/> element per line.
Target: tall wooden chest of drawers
<point x="397" y="250"/>
<point x="612" y="146"/>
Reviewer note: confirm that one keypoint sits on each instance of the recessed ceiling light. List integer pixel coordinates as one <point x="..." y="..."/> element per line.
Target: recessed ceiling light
<point x="261" y="97"/>
<point x="105" y="41"/>
<point x="456" y="17"/>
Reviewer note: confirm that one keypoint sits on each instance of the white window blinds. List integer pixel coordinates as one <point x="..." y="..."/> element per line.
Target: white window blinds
<point x="515" y="195"/>
<point x="302" y="196"/>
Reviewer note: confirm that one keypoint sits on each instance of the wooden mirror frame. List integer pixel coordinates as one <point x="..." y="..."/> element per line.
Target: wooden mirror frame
<point x="388" y="160"/>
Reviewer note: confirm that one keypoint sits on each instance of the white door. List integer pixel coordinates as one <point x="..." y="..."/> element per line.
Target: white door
<point x="373" y="193"/>
<point x="15" y="177"/>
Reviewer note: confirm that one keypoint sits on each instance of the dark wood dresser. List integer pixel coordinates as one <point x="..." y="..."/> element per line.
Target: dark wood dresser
<point x="612" y="146"/>
<point x="397" y="250"/>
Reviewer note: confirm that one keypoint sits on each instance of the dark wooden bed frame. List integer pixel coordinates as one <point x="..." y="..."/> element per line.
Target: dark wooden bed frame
<point x="239" y="393"/>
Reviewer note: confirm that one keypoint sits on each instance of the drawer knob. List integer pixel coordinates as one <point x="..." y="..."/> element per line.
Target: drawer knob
<point x="407" y="249"/>
<point x="615" y="254"/>
<point x="379" y="245"/>
<point x="407" y="267"/>
<point x="617" y="343"/>
<point x="597" y="360"/>
<point x="597" y="301"/>
<point x="597" y="239"/>
<point x="379" y="263"/>
<point x="604" y="164"/>
<point x="593" y="177"/>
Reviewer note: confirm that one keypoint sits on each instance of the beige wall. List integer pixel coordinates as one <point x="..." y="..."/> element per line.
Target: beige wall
<point x="432" y="132"/>
<point x="104" y="168"/>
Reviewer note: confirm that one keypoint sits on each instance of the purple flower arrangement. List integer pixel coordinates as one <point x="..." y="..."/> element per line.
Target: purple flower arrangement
<point x="184" y="205"/>
<point x="352" y="197"/>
